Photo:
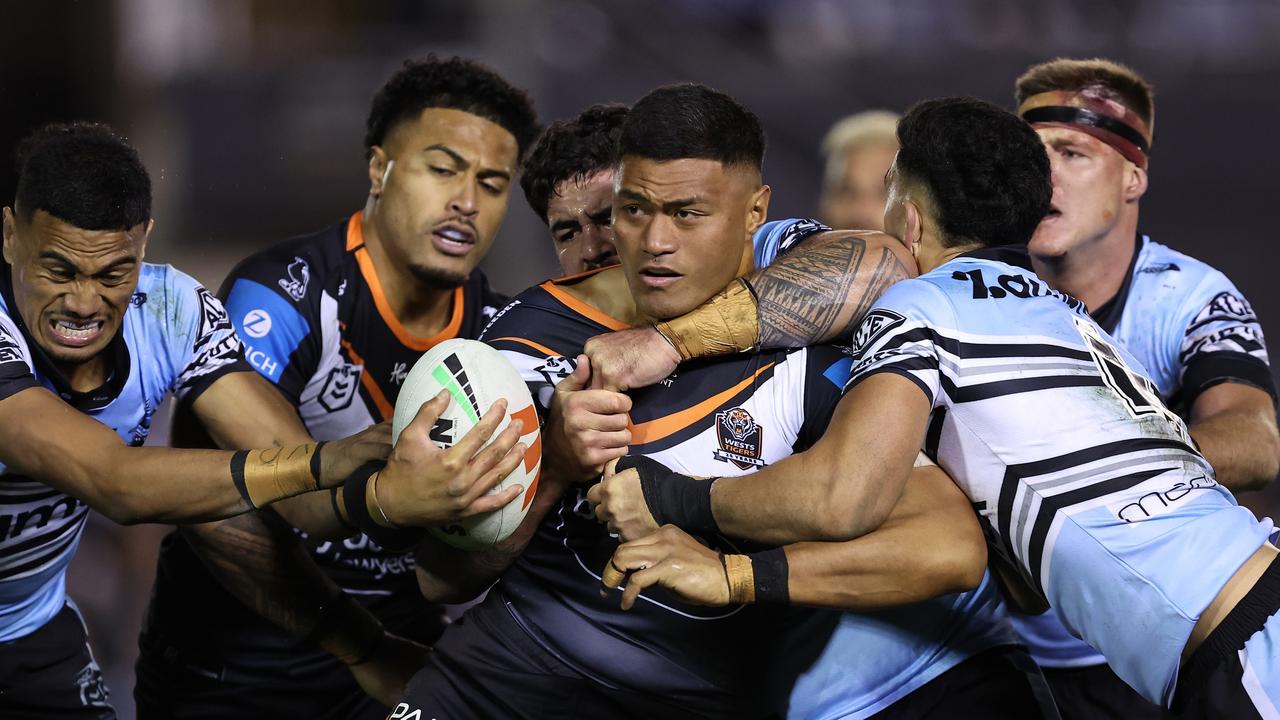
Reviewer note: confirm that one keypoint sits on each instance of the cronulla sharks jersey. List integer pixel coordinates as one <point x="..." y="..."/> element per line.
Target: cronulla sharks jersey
<point x="174" y="337"/>
<point x="1190" y="328"/>
<point x="1079" y="471"/>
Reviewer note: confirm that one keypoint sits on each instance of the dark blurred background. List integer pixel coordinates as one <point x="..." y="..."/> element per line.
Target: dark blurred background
<point x="249" y="114"/>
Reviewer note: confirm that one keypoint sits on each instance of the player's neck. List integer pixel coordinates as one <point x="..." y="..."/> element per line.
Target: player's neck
<point x="607" y="292"/>
<point x="422" y="309"/>
<point x="1094" y="272"/>
<point x="86" y="376"/>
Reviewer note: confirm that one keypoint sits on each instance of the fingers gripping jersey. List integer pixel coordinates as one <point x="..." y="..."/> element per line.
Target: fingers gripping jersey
<point x="175" y="337"/>
<point x="723" y="417"/>
<point x="1082" y="475"/>
<point x="1190" y="327"/>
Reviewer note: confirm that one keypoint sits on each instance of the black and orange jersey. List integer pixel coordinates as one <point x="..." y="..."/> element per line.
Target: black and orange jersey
<point x="724" y="416"/>
<point x="316" y="322"/>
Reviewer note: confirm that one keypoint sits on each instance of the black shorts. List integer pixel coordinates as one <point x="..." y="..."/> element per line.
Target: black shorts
<point x="51" y="673"/>
<point x="1002" y="683"/>
<point x="173" y="684"/>
<point x="1212" y="682"/>
<point x="1095" y="692"/>
<point x="487" y="666"/>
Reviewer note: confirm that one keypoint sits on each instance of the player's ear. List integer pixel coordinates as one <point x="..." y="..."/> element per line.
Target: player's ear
<point x="10" y="232"/>
<point x="379" y="164"/>
<point x="758" y="208"/>
<point x="912" y="227"/>
<point x="146" y="235"/>
<point x="1136" y="182"/>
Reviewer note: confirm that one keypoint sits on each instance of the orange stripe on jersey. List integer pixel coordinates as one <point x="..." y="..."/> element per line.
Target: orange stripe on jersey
<point x="370" y="385"/>
<point x="582" y="308"/>
<point x="533" y="454"/>
<point x="659" y="428"/>
<point x="355" y="243"/>
<point x="540" y="348"/>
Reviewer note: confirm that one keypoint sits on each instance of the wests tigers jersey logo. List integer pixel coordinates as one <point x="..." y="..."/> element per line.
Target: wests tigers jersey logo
<point x="741" y="439"/>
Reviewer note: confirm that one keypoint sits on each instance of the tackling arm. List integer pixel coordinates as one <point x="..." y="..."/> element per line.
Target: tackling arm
<point x="931" y="545"/>
<point x="46" y="439"/>
<point x="1235" y="426"/>
<point x="816" y="292"/>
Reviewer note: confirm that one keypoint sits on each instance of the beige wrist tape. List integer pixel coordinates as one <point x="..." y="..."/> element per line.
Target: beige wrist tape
<point x="264" y="476"/>
<point x="727" y="323"/>
<point x="742" y="579"/>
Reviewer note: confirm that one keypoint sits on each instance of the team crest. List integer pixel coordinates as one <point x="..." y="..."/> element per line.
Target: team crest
<point x="741" y="439"/>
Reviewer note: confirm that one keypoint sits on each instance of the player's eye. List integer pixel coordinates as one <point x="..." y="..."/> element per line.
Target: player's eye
<point x="1069" y="153"/>
<point x="112" y="279"/>
<point x="631" y="209"/>
<point x="566" y="236"/>
<point x="687" y="214"/>
<point x="492" y="187"/>
<point x="62" y="274"/>
<point x="443" y="171"/>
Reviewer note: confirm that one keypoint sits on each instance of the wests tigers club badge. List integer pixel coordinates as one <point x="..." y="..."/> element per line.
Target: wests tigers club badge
<point x="741" y="439"/>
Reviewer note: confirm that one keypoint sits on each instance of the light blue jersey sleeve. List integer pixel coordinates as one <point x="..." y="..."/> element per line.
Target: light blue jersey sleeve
<point x="200" y="343"/>
<point x="896" y="336"/>
<point x="777" y="237"/>
<point x="1217" y="338"/>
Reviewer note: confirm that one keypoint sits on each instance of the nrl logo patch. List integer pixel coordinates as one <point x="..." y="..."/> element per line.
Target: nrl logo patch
<point x="741" y="439"/>
<point x="873" y="326"/>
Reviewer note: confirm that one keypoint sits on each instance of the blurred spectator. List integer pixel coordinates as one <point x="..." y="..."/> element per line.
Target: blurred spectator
<point x="858" y="150"/>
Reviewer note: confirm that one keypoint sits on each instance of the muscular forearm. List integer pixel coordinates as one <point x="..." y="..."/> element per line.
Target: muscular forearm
<point x="1242" y="447"/>
<point x="931" y="545"/>
<point x="816" y="293"/>
<point x="820" y="291"/>
<point x="449" y="575"/>
<point x="259" y="560"/>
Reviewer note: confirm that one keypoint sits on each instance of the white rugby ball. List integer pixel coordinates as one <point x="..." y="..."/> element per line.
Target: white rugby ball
<point x="476" y="376"/>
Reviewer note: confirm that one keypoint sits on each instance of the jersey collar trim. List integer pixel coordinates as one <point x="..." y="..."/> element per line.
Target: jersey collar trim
<point x="1108" y="313"/>
<point x="118" y="361"/>
<point x="1015" y="255"/>
<point x="355" y="244"/>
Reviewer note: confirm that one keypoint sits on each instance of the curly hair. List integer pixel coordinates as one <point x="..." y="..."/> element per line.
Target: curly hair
<point x="688" y="120"/>
<point x="84" y="174"/>
<point x="457" y="84"/>
<point x="571" y="150"/>
<point x="985" y="169"/>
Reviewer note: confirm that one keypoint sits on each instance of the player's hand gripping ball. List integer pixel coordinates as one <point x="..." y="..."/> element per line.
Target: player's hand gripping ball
<point x="475" y="377"/>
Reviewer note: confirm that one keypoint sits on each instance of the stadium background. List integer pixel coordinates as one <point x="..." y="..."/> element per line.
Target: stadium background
<point x="249" y="115"/>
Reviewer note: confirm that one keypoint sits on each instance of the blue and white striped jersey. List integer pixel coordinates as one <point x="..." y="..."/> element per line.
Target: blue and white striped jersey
<point x="1191" y="329"/>
<point x="175" y="337"/>
<point x="1085" y="479"/>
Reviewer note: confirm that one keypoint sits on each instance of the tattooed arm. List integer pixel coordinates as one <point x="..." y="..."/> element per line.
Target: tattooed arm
<point x="258" y="558"/>
<point x="820" y="291"/>
<point x="817" y="292"/>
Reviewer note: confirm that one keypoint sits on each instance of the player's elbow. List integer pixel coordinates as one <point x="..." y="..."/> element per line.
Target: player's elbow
<point x="964" y="564"/>
<point x="1260" y="468"/>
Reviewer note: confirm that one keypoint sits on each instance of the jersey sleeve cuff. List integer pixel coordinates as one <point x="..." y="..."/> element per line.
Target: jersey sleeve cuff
<point x="197" y="386"/>
<point x="1205" y="371"/>
<point x="10" y="386"/>
<point x="896" y="370"/>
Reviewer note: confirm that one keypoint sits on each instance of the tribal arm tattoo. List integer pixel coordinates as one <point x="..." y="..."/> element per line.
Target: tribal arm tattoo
<point x="819" y="291"/>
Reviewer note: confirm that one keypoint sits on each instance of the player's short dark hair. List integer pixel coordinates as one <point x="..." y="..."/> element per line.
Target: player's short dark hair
<point x="1116" y="82"/>
<point x="456" y="84"/>
<point x="691" y="121"/>
<point x="985" y="169"/>
<point x="571" y="150"/>
<point x="83" y="174"/>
